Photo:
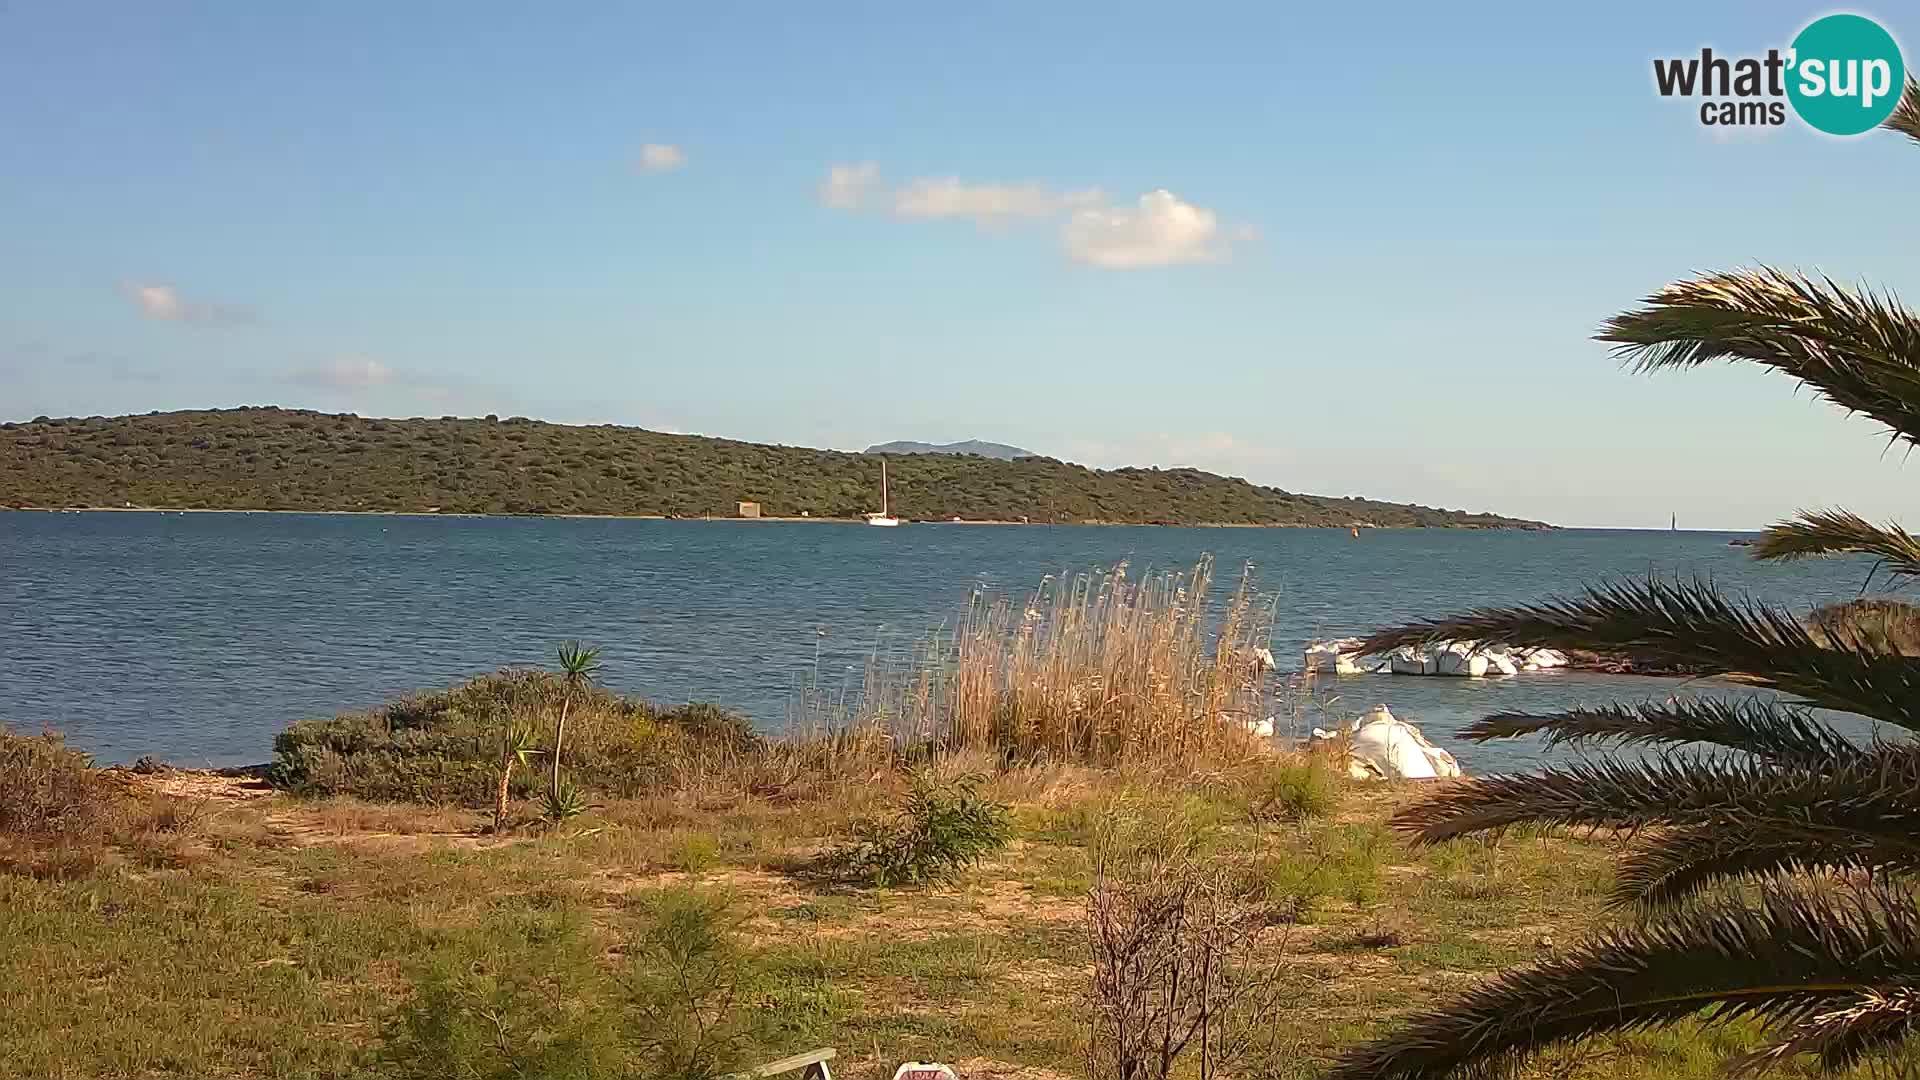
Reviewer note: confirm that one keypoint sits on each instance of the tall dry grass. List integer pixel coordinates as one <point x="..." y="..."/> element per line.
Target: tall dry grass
<point x="1095" y="668"/>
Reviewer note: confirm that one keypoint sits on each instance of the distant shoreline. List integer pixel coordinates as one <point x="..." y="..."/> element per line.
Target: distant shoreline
<point x="753" y="520"/>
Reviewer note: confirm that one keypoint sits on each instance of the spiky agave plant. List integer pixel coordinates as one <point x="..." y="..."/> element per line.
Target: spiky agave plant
<point x="1823" y="945"/>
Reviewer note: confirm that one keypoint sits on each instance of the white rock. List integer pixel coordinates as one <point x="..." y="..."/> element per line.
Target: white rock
<point x="1410" y="660"/>
<point x="1334" y="657"/>
<point x="1384" y="746"/>
<point x="1263" y="659"/>
<point x="1455" y="658"/>
<point x="1501" y="662"/>
<point x="1261" y="728"/>
<point x="1543" y="659"/>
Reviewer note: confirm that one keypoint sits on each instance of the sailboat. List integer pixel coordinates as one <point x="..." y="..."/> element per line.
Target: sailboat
<point x="883" y="518"/>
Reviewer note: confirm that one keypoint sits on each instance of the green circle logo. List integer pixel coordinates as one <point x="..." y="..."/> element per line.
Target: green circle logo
<point x="1847" y="74"/>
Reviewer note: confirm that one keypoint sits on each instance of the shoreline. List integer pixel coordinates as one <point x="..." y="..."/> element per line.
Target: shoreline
<point x="765" y="518"/>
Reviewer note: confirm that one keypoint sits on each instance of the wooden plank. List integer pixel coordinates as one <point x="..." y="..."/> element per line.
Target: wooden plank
<point x="797" y="1061"/>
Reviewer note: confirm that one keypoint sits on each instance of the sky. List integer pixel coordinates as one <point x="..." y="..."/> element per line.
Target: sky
<point x="1358" y="249"/>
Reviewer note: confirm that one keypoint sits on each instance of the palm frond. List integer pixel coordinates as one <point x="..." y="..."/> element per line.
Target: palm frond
<point x="1669" y="866"/>
<point x="1689" y="624"/>
<point x="1906" y="115"/>
<point x="1792" y="960"/>
<point x="1782" y="734"/>
<point x="1843" y="1035"/>
<point x="1702" y="819"/>
<point x="1835" y="532"/>
<point x="1860" y="350"/>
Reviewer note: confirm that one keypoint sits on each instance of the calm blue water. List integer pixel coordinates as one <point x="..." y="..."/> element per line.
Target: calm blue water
<point x="198" y="636"/>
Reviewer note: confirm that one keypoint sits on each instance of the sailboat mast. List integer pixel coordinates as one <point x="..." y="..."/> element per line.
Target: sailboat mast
<point x="883" y="487"/>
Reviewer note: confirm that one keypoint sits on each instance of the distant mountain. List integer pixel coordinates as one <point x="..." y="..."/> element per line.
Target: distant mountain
<point x="294" y="459"/>
<point x="998" y="451"/>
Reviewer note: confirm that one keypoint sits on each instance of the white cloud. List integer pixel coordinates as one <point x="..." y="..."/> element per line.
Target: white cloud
<point x="157" y="300"/>
<point x="986" y="204"/>
<point x="660" y="157"/>
<point x="1162" y="230"/>
<point x="847" y="186"/>
<point x="346" y="373"/>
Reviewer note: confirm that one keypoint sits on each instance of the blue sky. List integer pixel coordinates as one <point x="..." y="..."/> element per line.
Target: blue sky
<point x="1353" y="250"/>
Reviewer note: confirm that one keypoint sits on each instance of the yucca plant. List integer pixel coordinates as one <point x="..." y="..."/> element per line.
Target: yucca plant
<point x="579" y="666"/>
<point x="562" y="802"/>
<point x="1770" y="856"/>
<point x="518" y="746"/>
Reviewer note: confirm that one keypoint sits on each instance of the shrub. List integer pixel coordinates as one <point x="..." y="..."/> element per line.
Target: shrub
<point x="1175" y="944"/>
<point x="46" y="788"/>
<point x="1342" y="863"/>
<point x="1888" y="626"/>
<point x="694" y="853"/>
<point x="1289" y="790"/>
<point x="530" y="998"/>
<point x="445" y="747"/>
<point x="683" y="983"/>
<point x="482" y="1012"/>
<point x="62" y="818"/>
<point x="943" y="828"/>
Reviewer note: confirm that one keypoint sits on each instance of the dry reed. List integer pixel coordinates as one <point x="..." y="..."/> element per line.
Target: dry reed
<point x="1095" y="668"/>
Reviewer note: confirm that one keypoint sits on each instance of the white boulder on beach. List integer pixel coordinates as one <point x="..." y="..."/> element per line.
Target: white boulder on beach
<point x="1381" y="746"/>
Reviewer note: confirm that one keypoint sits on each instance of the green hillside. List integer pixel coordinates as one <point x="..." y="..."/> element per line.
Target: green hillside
<point x="284" y="459"/>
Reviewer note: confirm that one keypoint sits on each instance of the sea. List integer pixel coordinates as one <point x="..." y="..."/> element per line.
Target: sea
<point x="195" y="637"/>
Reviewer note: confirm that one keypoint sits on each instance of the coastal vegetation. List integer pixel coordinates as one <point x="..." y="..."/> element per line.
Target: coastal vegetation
<point x="1769" y="870"/>
<point x="286" y="459"/>
<point x="1045" y="846"/>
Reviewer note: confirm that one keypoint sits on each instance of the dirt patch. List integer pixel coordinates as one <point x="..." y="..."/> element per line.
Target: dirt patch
<point x="223" y="786"/>
<point x="988" y="1069"/>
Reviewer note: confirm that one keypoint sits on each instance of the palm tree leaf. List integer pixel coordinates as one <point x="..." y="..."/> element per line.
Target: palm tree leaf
<point x="1793" y="957"/>
<point x="1670" y="866"/>
<point x="1692" y="625"/>
<point x="1860" y="350"/>
<point x="1833" y="532"/>
<point x="1906" y="115"/>
<point x="1769" y="730"/>
<point x="1843" y="1035"/>
<point x="1862" y="812"/>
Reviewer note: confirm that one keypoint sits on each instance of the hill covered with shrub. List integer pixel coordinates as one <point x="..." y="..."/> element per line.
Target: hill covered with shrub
<point x="269" y="458"/>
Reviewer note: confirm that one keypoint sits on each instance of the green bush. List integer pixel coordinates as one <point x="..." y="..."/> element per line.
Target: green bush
<point x="531" y="998"/>
<point x="502" y="1004"/>
<point x="685" y="983"/>
<point x="1341" y="863"/>
<point x="943" y="828"/>
<point x="1293" y="790"/>
<point x="444" y="747"/>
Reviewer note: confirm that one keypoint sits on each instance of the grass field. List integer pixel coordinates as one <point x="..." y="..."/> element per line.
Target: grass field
<point x="268" y="935"/>
<point x="994" y="860"/>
